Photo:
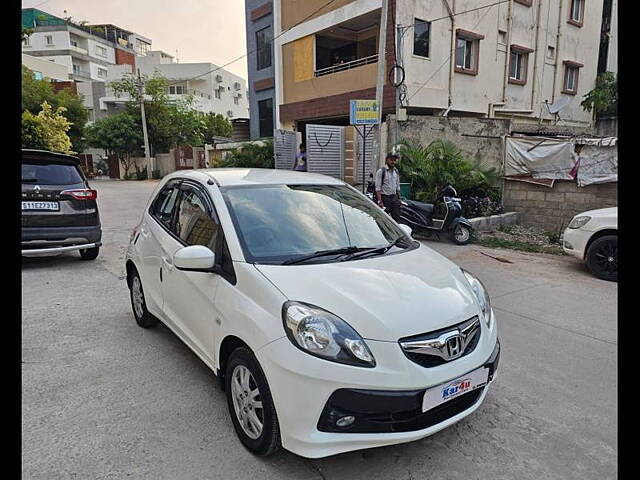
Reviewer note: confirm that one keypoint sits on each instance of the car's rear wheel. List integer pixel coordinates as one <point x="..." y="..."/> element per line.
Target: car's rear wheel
<point x="143" y="318"/>
<point x="89" y="253"/>
<point x="602" y="257"/>
<point x="250" y="403"/>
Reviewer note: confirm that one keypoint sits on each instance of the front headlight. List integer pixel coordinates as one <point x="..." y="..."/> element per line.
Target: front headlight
<point x="324" y="335"/>
<point x="578" y="222"/>
<point x="481" y="295"/>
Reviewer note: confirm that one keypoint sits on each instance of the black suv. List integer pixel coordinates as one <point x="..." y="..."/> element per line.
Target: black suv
<point x="59" y="210"/>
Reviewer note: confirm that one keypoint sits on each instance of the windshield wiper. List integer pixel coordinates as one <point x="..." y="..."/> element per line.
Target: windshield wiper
<point x="368" y="251"/>
<point x="323" y="253"/>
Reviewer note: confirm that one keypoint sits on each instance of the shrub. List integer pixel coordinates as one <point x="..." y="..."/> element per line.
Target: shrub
<point x="250" y="155"/>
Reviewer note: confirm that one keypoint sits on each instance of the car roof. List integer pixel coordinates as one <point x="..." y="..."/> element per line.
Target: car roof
<point x="33" y="153"/>
<point x="225" y="177"/>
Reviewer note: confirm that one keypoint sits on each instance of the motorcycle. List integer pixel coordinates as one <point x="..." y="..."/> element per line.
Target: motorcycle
<point x="431" y="219"/>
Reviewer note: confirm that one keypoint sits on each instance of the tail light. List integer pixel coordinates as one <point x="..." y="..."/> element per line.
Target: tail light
<point x="81" y="194"/>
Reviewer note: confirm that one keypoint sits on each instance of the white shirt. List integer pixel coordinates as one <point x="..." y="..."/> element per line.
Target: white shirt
<point x="391" y="184"/>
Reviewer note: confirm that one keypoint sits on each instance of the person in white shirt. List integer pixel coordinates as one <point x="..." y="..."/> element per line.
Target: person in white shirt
<point x="387" y="184"/>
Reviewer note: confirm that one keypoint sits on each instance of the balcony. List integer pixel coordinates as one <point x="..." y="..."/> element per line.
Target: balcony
<point x="339" y="67"/>
<point x="81" y="74"/>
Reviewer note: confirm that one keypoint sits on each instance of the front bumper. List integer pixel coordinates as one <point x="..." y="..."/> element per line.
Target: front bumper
<point x="574" y="242"/>
<point x="304" y="389"/>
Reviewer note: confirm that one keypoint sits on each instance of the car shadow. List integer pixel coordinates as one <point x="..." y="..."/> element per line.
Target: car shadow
<point x="33" y="263"/>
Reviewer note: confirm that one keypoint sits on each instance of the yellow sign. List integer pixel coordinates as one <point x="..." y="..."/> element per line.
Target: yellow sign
<point x="363" y="112"/>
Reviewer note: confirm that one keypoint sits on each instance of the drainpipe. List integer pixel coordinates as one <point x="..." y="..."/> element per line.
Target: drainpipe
<point x="535" y="56"/>
<point x="508" y="52"/>
<point x="452" y="59"/>
<point x="555" y="70"/>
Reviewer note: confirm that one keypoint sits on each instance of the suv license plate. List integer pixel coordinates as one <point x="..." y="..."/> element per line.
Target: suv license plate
<point x="55" y="206"/>
<point x="447" y="391"/>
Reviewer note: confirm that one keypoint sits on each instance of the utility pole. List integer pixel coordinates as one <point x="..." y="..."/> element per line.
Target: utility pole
<point x="144" y="126"/>
<point x="382" y="64"/>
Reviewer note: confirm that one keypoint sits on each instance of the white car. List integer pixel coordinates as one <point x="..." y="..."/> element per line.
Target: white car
<point x="593" y="237"/>
<point x="328" y="326"/>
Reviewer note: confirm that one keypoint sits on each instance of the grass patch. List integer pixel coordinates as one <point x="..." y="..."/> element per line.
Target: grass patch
<point x="524" y="239"/>
<point x="494" y="242"/>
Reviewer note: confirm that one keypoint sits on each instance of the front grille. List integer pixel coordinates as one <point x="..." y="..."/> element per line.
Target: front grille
<point x="429" y="361"/>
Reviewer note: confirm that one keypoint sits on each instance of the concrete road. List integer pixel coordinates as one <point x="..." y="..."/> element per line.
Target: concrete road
<point x="104" y="399"/>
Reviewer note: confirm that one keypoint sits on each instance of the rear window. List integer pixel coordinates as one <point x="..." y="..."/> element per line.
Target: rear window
<point x="50" y="174"/>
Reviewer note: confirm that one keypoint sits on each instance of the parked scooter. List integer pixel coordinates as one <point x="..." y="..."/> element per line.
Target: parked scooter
<point x="431" y="219"/>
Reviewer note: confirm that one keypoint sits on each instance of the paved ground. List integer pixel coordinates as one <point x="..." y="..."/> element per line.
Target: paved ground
<point x="104" y="399"/>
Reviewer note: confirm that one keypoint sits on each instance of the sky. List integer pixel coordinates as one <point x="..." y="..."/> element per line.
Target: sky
<point x="201" y="30"/>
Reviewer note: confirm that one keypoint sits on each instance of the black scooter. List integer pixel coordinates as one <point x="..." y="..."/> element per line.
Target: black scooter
<point x="431" y="219"/>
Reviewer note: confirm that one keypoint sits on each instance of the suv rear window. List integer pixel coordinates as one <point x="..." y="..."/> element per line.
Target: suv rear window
<point x="50" y="174"/>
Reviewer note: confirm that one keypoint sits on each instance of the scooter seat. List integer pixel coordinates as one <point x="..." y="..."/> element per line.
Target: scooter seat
<point x="426" y="208"/>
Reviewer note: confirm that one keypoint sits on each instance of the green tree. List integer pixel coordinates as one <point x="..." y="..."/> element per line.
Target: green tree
<point x="603" y="98"/>
<point x="119" y="135"/>
<point x="216" y="125"/>
<point x="431" y="168"/>
<point x="35" y="92"/>
<point x="250" y="155"/>
<point x="47" y="130"/>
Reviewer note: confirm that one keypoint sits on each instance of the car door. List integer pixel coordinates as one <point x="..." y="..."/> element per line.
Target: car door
<point x="188" y="297"/>
<point x="155" y="233"/>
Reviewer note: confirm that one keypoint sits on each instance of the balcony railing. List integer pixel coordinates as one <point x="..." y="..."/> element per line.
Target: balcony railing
<point x="346" y="65"/>
<point x="81" y="73"/>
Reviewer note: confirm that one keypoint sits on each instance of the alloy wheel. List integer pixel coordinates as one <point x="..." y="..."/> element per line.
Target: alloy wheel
<point x="247" y="402"/>
<point x="138" y="298"/>
<point x="606" y="258"/>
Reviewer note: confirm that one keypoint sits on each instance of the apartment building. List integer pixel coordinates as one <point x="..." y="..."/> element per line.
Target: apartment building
<point x="86" y="50"/>
<point x="514" y="59"/>
<point x="260" y="66"/>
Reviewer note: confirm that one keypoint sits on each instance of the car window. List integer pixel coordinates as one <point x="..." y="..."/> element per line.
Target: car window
<point x="194" y="225"/>
<point x="50" y="174"/>
<point x="163" y="206"/>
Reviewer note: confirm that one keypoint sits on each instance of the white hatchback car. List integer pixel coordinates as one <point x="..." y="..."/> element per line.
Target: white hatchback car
<point x="593" y="237"/>
<point x="328" y="326"/>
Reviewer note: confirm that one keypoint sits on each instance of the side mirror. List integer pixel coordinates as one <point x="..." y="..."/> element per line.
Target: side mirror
<point x="195" y="258"/>
<point x="406" y="228"/>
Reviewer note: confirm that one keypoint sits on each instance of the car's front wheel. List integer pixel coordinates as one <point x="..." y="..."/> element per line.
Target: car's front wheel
<point x="602" y="257"/>
<point x="250" y="403"/>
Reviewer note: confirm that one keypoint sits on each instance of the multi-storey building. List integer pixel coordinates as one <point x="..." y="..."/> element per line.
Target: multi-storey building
<point x="511" y="59"/>
<point x="260" y="66"/>
<point x="85" y="50"/>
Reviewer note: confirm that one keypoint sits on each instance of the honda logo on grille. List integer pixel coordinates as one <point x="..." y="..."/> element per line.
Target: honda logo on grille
<point x="454" y="346"/>
<point x="447" y="345"/>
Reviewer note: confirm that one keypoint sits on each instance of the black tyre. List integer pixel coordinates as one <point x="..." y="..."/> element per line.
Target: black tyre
<point x="89" y="253"/>
<point x="138" y="304"/>
<point x="461" y="234"/>
<point x="250" y="403"/>
<point x="602" y="257"/>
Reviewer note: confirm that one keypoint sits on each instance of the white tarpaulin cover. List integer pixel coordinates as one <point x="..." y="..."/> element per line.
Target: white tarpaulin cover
<point x="540" y="157"/>
<point x="598" y="165"/>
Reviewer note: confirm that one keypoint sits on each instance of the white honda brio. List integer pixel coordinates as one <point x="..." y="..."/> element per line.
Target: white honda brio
<point x="328" y="326"/>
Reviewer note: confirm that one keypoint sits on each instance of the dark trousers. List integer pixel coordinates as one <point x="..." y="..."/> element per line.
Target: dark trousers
<point x="392" y="204"/>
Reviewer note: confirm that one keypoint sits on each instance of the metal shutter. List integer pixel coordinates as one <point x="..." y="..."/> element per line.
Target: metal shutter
<point x="325" y="150"/>
<point x="372" y="143"/>
<point x="285" y="148"/>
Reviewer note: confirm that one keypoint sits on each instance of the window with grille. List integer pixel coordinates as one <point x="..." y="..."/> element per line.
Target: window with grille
<point x="465" y="53"/>
<point x="570" y="79"/>
<point x="576" y="13"/>
<point x="263" y="48"/>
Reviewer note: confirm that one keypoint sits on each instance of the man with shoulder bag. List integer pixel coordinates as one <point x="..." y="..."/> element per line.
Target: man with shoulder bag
<point x="387" y="184"/>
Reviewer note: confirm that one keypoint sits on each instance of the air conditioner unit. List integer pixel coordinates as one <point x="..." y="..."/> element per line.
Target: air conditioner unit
<point x="237" y="85"/>
<point x="229" y="113"/>
<point x="219" y="78"/>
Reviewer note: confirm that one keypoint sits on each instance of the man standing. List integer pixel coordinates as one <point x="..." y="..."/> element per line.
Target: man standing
<point x="300" y="165"/>
<point x="387" y="183"/>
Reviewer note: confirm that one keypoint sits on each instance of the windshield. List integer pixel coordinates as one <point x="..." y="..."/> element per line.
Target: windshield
<point x="276" y="223"/>
<point x="50" y="174"/>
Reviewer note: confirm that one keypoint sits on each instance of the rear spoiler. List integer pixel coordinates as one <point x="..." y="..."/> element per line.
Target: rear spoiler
<point x="45" y="155"/>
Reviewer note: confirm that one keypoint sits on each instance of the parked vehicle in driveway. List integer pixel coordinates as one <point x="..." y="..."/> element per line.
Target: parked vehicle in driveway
<point x="328" y="326"/>
<point x="59" y="208"/>
<point x="593" y="237"/>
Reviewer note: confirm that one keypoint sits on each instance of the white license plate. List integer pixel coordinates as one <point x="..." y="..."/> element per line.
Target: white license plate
<point x="55" y="206"/>
<point x="447" y="391"/>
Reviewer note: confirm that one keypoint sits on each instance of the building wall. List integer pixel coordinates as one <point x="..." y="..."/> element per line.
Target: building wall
<point x="256" y="20"/>
<point x="480" y="139"/>
<point x="38" y="41"/>
<point x="48" y="69"/>
<point x="612" y="58"/>
<point x="553" y="208"/>
<point x="294" y="11"/>
<point x="428" y="79"/>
